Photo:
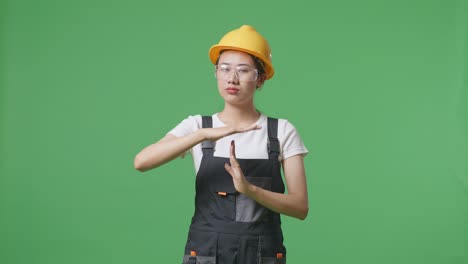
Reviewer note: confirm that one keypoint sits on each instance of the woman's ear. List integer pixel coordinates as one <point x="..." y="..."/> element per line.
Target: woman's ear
<point x="260" y="81"/>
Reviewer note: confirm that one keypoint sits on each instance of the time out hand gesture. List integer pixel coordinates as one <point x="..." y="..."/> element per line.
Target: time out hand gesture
<point x="214" y="134"/>
<point x="240" y="182"/>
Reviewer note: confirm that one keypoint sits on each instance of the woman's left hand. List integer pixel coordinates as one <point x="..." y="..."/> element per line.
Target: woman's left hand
<point x="240" y="182"/>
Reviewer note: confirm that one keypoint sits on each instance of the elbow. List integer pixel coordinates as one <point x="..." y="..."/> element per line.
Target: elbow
<point x="142" y="164"/>
<point x="302" y="214"/>
<point x="139" y="164"/>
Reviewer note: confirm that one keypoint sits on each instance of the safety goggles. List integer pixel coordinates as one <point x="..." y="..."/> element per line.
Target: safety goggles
<point x="242" y="73"/>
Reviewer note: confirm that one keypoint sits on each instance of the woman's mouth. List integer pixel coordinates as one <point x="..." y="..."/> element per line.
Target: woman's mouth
<point x="232" y="90"/>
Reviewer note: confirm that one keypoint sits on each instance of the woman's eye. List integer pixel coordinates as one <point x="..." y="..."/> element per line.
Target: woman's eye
<point x="243" y="70"/>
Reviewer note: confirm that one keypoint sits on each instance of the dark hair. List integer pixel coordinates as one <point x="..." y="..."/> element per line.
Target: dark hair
<point x="259" y="64"/>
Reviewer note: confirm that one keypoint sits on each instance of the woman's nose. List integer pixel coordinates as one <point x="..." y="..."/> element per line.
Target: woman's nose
<point x="233" y="78"/>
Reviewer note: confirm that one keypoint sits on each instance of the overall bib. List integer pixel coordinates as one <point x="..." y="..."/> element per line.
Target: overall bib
<point x="229" y="227"/>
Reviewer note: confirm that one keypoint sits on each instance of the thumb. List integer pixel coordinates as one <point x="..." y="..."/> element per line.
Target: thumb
<point x="228" y="168"/>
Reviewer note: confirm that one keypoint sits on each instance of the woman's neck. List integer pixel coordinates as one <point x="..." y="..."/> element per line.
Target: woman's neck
<point x="239" y="116"/>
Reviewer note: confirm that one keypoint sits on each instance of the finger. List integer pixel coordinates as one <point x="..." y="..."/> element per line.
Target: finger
<point x="255" y="126"/>
<point x="232" y="158"/>
<point x="251" y="127"/>
<point x="233" y="149"/>
<point x="228" y="169"/>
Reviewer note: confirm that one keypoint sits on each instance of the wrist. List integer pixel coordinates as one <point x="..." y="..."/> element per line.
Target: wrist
<point x="251" y="190"/>
<point x="201" y="135"/>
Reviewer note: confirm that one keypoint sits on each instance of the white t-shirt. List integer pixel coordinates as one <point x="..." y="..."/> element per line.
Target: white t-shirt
<point x="249" y="145"/>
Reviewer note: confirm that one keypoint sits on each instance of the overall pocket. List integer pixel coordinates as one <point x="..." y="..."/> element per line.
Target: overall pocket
<point x="272" y="260"/>
<point x="200" y="247"/>
<point x="247" y="209"/>
<point x="198" y="260"/>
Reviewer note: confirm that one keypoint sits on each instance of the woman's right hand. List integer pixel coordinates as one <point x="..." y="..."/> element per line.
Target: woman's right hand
<point x="214" y="134"/>
<point x="171" y="146"/>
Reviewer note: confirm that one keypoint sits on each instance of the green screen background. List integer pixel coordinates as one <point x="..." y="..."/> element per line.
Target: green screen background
<point x="377" y="90"/>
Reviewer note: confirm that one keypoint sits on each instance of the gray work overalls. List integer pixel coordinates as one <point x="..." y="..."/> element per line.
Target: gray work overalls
<point x="228" y="227"/>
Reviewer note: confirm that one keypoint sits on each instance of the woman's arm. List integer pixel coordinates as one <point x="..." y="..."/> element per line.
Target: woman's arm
<point x="170" y="146"/>
<point x="165" y="150"/>
<point x="294" y="203"/>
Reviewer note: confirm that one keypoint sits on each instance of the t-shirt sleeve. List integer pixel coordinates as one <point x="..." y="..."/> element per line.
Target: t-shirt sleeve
<point x="291" y="142"/>
<point x="186" y="127"/>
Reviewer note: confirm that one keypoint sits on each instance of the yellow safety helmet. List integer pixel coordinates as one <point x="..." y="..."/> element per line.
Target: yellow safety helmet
<point x="248" y="40"/>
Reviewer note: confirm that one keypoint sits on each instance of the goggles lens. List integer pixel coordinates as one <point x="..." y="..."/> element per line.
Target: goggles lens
<point x="242" y="73"/>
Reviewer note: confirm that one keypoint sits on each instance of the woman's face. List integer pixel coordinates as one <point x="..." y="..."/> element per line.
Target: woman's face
<point x="237" y="79"/>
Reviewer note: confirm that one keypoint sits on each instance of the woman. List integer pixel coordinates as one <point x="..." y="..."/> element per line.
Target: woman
<point x="238" y="154"/>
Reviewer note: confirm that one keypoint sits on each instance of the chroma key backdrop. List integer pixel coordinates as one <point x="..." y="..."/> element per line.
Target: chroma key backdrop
<point x="378" y="90"/>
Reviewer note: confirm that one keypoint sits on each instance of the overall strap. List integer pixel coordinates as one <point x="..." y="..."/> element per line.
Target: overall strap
<point x="207" y="145"/>
<point x="273" y="142"/>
